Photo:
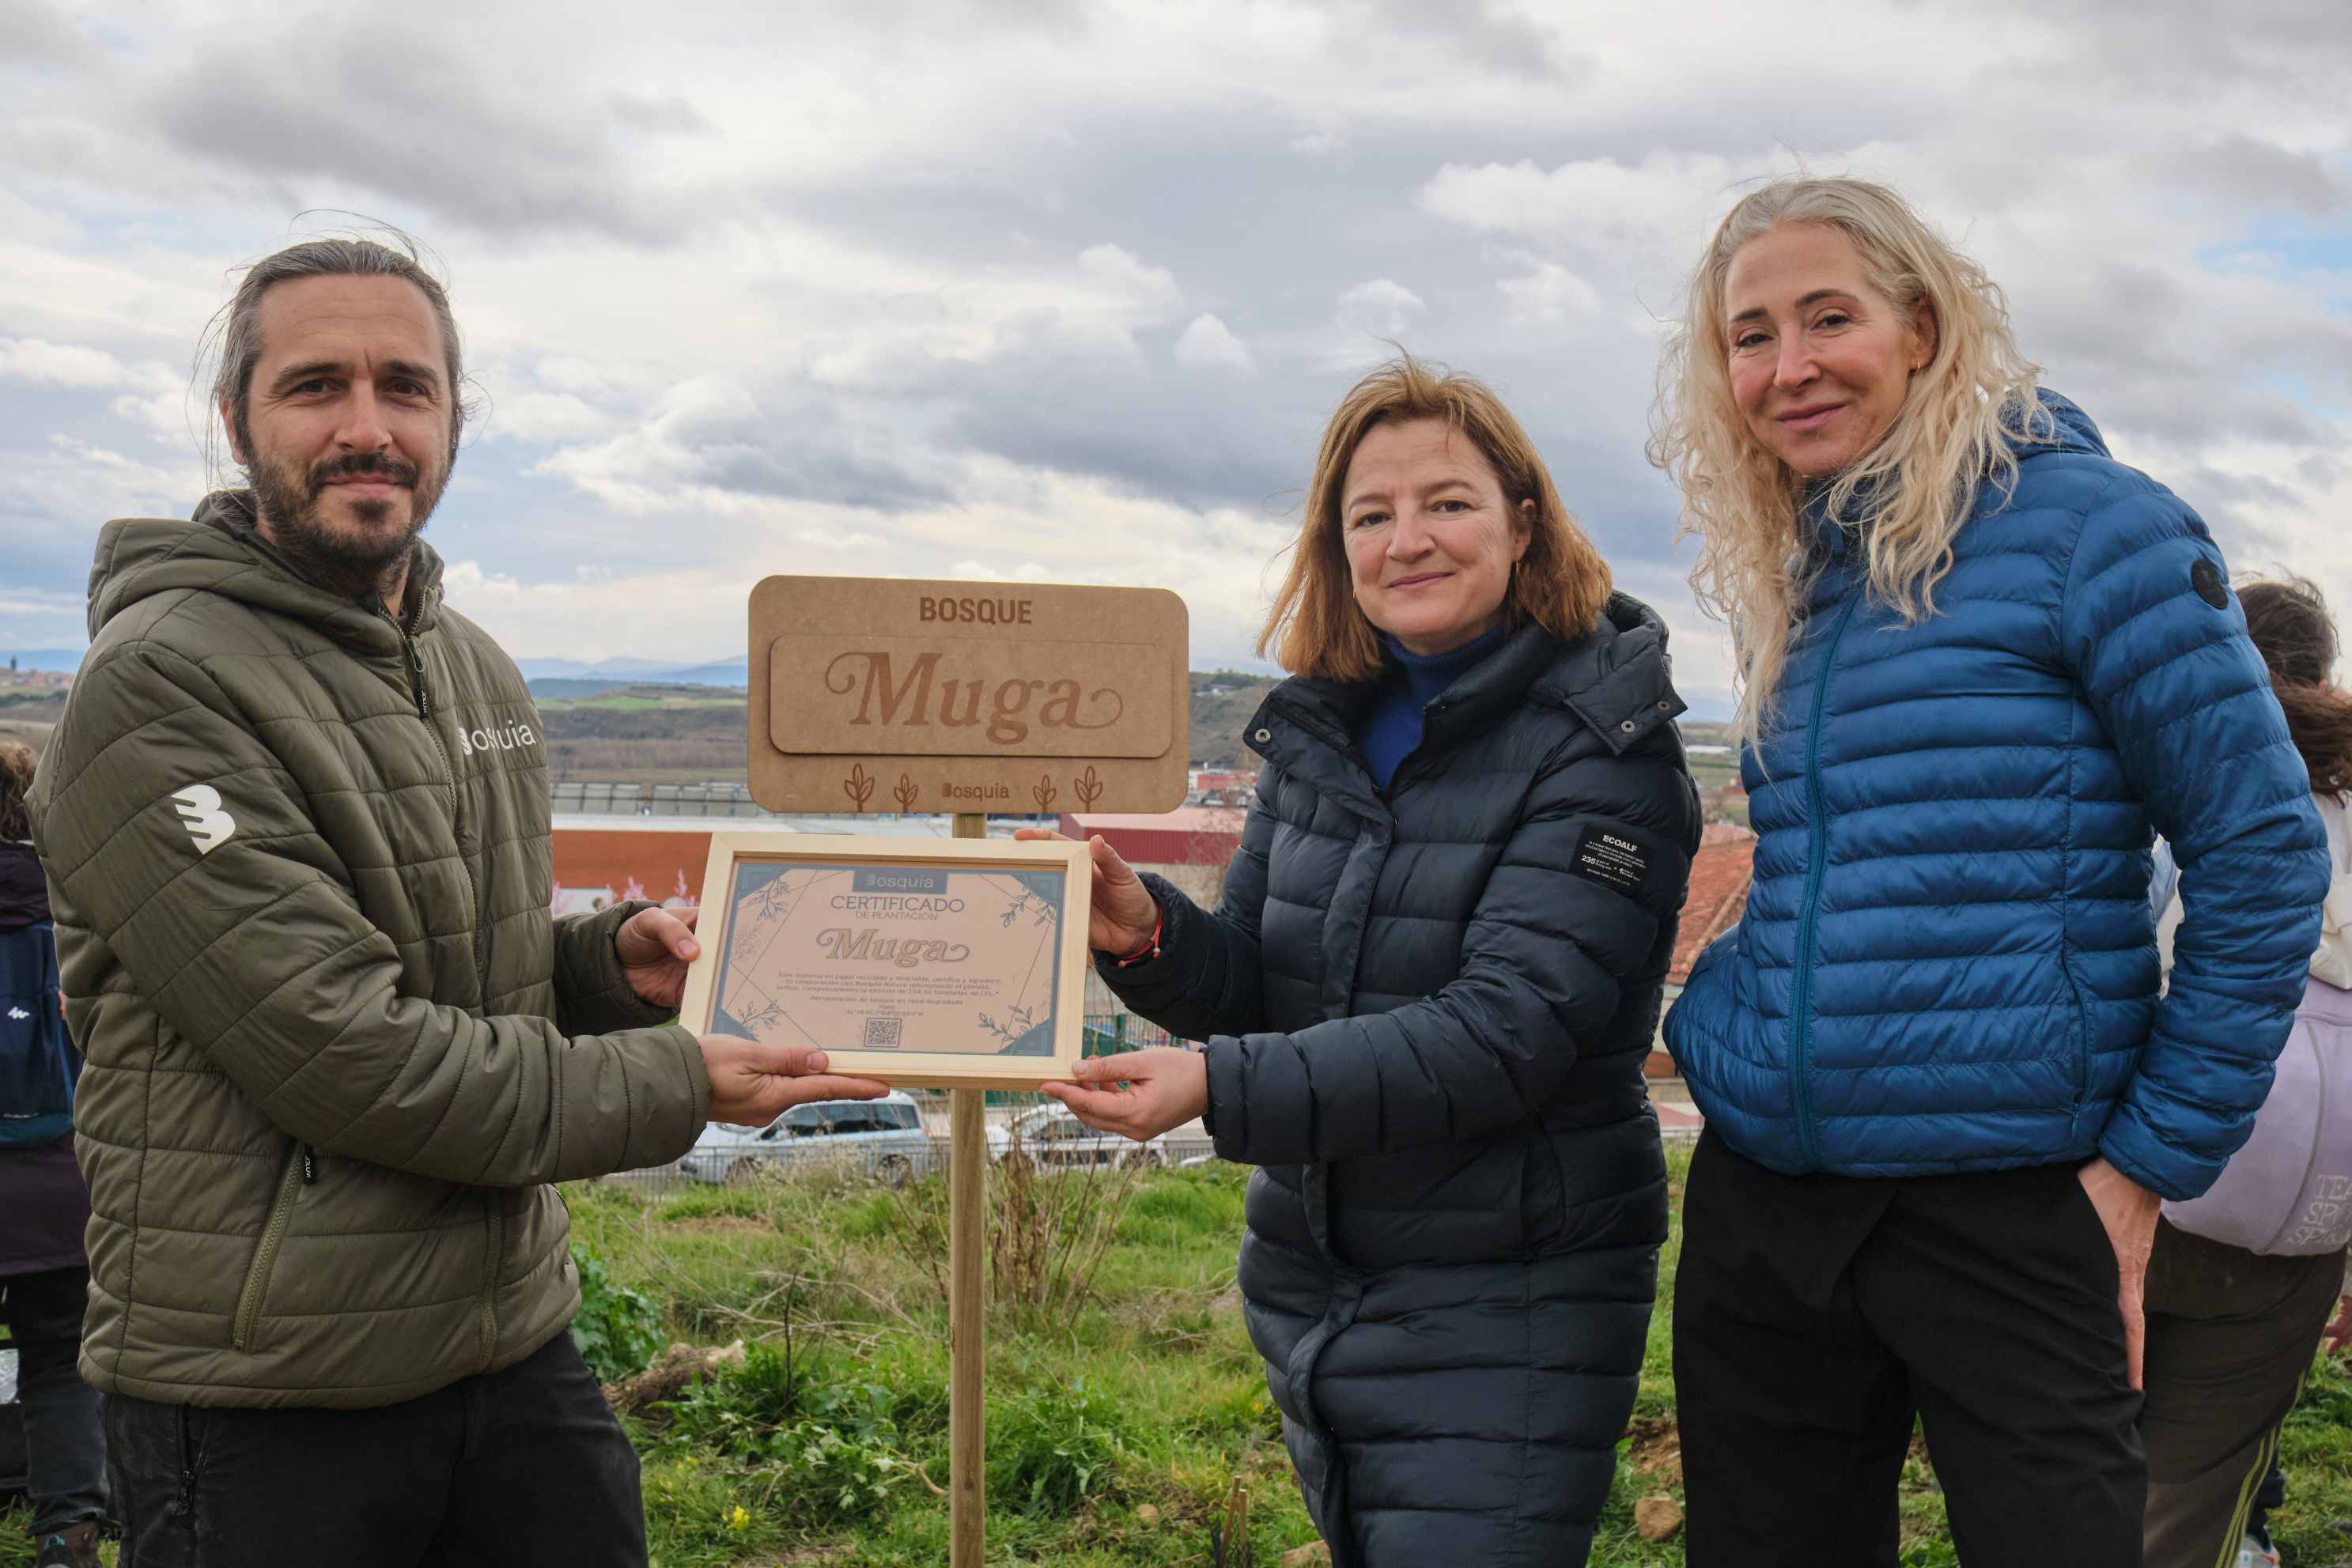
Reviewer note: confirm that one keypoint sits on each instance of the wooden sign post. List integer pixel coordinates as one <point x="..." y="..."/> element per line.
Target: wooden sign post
<point x="967" y="697"/>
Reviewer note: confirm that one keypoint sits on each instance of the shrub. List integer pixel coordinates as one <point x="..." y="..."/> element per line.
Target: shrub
<point x="823" y="1450"/>
<point x="1051" y="1449"/>
<point x="1047" y="1230"/>
<point x="618" y="1332"/>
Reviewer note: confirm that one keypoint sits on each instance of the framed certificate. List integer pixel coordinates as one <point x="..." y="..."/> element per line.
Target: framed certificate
<point x="953" y="963"/>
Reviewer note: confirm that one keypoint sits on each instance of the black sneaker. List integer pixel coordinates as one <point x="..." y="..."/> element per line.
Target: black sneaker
<point x="75" y="1546"/>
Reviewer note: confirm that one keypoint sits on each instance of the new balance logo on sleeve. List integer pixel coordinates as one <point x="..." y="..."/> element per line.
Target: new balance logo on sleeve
<point x="200" y="808"/>
<point x="19" y="1014"/>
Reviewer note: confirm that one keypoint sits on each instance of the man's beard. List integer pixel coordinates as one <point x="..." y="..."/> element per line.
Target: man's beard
<point x="353" y="567"/>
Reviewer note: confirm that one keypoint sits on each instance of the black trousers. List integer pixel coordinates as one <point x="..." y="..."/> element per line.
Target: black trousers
<point x="520" y="1468"/>
<point x="63" y="1449"/>
<point x="1815" y="1316"/>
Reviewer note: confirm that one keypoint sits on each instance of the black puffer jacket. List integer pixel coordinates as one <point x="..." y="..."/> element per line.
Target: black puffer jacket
<point x="1426" y="1015"/>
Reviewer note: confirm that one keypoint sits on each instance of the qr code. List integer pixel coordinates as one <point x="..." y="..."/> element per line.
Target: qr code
<point x="882" y="1034"/>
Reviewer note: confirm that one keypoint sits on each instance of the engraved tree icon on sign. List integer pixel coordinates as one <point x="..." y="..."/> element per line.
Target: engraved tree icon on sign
<point x="858" y="786"/>
<point x="1043" y="792"/>
<point x="906" y="792"/>
<point x="1089" y="788"/>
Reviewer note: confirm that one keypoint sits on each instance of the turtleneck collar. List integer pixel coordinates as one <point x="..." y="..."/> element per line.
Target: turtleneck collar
<point x="1428" y="674"/>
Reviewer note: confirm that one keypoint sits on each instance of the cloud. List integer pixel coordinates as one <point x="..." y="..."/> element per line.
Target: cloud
<point x="739" y="291"/>
<point x="541" y="416"/>
<point x="1382" y="307"/>
<point x="710" y="439"/>
<point x="1549" y="293"/>
<point x="1149" y="290"/>
<point x="1208" y="344"/>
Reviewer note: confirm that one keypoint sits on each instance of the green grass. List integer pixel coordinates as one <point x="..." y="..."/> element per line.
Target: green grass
<point x="1114" y="1432"/>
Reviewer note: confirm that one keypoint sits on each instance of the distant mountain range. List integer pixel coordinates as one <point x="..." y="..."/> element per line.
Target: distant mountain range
<point x="725" y="672"/>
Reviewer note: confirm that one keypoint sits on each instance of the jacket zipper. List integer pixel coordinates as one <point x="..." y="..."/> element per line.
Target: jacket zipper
<point x="490" y="1200"/>
<point x="1801" y="996"/>
<point x="265" y="1257"/>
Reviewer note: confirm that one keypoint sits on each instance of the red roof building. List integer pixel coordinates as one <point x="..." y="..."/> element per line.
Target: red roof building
<point x="1720" y="873"/>
<point x="1193" y="835"/>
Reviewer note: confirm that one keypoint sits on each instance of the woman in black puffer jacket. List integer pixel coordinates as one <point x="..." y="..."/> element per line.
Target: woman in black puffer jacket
<point x="1428" y="991"/>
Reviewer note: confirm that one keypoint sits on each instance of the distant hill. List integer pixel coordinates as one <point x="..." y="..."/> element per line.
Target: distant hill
<point x="66" y="659"/>
<point x="1223" y="702"/>
<point x="620" y="726"/>
<point x="723" y="673"/>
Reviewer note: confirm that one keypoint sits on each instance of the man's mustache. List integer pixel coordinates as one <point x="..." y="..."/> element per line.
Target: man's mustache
<point x="364" y="466"/>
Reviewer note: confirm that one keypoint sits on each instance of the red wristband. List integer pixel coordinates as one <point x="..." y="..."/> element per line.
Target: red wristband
<point x="1151" y="949"/>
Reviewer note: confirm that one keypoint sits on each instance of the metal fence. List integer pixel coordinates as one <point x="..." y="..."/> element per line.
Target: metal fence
<point x="588" y="798"/>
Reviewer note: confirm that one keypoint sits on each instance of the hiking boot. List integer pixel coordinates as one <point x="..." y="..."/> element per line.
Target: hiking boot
<point x="75" y="1546"/>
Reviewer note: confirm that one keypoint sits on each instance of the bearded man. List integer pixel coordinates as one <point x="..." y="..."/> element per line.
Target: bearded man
<point x="337" y="1048"/>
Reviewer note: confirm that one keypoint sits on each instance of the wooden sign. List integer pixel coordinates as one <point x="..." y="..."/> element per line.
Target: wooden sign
<point x="956" y="962"/>
<point x="872" y="694"/>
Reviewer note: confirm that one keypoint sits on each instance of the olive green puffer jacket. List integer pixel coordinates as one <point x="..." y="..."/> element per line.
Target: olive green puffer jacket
<point x="299" y="858"/>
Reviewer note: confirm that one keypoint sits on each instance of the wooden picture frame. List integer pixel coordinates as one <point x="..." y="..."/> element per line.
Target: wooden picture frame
<point x="901" y="959"/>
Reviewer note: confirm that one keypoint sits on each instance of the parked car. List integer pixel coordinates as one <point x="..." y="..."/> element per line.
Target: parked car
<point x="1053" y="1137"/>
<point x="884" y="1138"/>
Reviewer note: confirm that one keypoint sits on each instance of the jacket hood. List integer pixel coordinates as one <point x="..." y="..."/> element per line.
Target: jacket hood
<point x="2072" y="430"/>
<point x="220" y="551"/>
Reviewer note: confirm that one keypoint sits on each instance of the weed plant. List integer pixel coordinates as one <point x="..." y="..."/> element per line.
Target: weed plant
<point x="1049" y="1226"/>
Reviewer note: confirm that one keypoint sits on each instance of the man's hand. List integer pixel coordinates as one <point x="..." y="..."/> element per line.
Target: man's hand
<point x="751" y="1083"/>
<point x="1122" y="915"/>
<point x="2339" y="1334"/>
<point x="2129" y="1212"/>
<point x="655" y="946"/>
<point x="1166" y="1088"/>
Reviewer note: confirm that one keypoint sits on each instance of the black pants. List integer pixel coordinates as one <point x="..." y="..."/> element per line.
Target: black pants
<point x="1815" y="1316"/>
<point x="519" y="1468"/>
<point x="64" y="1452"/>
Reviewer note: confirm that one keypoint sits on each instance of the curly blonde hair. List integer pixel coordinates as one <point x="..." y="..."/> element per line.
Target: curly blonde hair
<point x="1315" y="627"/>
<point x="1959" y="417"/>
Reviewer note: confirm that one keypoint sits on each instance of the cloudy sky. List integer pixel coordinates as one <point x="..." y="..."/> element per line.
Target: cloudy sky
<point x="1063" y="290"/>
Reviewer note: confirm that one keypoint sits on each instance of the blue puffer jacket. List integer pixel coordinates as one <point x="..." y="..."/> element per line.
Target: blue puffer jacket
<point x="1947" y="962"/>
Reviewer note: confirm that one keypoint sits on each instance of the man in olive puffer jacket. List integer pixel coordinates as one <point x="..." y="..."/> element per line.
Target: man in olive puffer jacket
<point x="295" y="824"/>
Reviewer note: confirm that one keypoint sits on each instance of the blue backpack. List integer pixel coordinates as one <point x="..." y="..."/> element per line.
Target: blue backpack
<point x="38" y="1063"/>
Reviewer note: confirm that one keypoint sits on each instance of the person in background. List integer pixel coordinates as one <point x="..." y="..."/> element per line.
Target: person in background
<point x="2242" y="1280"/>
<point x="44" y="1274"/>
<point x="1979" y="661"/>
<point x="1428" y="991"/>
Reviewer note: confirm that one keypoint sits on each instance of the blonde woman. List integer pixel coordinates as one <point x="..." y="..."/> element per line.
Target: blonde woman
<point x="1428" y="990"/>
<point x="1981" y="661"/>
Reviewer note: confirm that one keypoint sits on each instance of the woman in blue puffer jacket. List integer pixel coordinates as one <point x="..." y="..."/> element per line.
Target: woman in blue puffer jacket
<point x="1981" y="660"/>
